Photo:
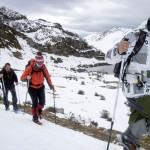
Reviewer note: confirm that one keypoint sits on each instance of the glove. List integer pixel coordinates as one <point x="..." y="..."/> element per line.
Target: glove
<point x="17" y="83"/>
<point x="52" y="87"/>
<point x="1" y="75"/>
<point x="29" y="77"/>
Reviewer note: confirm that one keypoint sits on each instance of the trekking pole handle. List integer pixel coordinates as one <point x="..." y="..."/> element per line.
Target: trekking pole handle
<point x="125" y="39"/>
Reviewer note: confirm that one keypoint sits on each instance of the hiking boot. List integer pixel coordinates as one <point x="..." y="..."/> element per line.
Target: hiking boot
<point x="36" y="120"/>
<point x="7" y="107"/>
<point x="15" y="108"/>
<point x="127" y="143"/>
<point x="40" y="114"/>
<point x="131" y="147"/>
<point x="40" y="111"/>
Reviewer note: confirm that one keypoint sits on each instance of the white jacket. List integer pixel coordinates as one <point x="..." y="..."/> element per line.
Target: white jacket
<point x="139" y="68"/>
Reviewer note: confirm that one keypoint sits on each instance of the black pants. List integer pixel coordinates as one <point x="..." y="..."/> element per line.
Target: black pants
<point x="14" y="97"/>
<point x="37" y="96"/>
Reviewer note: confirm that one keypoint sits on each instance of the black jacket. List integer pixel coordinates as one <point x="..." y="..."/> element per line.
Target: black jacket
<point x="9" y="78"/>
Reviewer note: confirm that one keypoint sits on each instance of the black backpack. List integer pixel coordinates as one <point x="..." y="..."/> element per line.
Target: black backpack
<point x="28" y="64"/>
<point x="136" y="49"/>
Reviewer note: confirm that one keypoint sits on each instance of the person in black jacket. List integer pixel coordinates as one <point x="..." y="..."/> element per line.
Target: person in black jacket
<point x="8" y="77"/>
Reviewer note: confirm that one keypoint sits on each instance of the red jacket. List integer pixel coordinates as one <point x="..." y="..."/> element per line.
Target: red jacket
<point x="37" y="76"/>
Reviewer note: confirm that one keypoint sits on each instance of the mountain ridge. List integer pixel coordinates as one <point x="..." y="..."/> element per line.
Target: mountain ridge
<point x="107" y="39"/>
<point x="46" y="36"/>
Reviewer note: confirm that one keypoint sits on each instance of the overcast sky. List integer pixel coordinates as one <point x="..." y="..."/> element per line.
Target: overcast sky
<point x="87" y="15"/>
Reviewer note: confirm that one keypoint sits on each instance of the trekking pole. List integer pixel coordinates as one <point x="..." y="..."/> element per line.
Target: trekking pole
<point x="26" y="96"/>
<point x="1" y="91"/>
<point x="116" y="101"/>
<point x="3" y="86"/>
<point x="54" y="105"/>
<point x="19" y="97"/>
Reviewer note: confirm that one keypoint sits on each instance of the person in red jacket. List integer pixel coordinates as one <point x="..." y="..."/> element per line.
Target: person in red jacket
<point x="35" y="74"/>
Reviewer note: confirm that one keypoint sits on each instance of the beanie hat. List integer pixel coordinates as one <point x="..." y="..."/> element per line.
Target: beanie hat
<point x="7" y="64"/>
<point x="148" y="24"/>
<point x="39" y="59"/>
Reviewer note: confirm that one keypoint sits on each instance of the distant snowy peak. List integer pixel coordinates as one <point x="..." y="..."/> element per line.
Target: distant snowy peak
<point x="10" y="14"/>
<point x="105" y="41"/>
<point x="94" y="36"/>
<point x="142" y="25"/>
<point x="99" y="35"/>
<point x="82" y="33"/>
<point x="116" y="30"/>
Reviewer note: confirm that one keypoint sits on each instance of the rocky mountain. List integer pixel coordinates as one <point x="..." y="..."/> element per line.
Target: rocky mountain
<point x="7" y="37"/>
<point x="42" y="35"/>
<point x="106" y="40"/>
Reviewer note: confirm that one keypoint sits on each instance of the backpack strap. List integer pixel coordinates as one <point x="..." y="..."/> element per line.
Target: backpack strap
<point x="139" y="42"/>
<point x="136" y="49"/>
<point x="42" y="70"/>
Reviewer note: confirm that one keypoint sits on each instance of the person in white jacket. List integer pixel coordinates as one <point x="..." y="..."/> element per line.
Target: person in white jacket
<point x="135" y="84"/>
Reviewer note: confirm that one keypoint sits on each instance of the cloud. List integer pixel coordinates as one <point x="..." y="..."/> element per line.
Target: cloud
<point x="87" y="15"/>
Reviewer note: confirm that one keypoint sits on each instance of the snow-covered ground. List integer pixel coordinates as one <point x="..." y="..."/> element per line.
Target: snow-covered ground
<point x="18" y="132"/>
<point x="87" y="107"/>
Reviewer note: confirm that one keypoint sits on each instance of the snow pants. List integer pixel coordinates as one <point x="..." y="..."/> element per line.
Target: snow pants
<point x="139" y="120"/>
<point x="14" y="97"/>
<point x="38" y="99"/>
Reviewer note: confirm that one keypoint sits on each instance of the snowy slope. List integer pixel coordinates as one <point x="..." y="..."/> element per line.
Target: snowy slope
<point x="86" y="107"/>
<point x="105" y="41"/>
<point x="18" y="132"/>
